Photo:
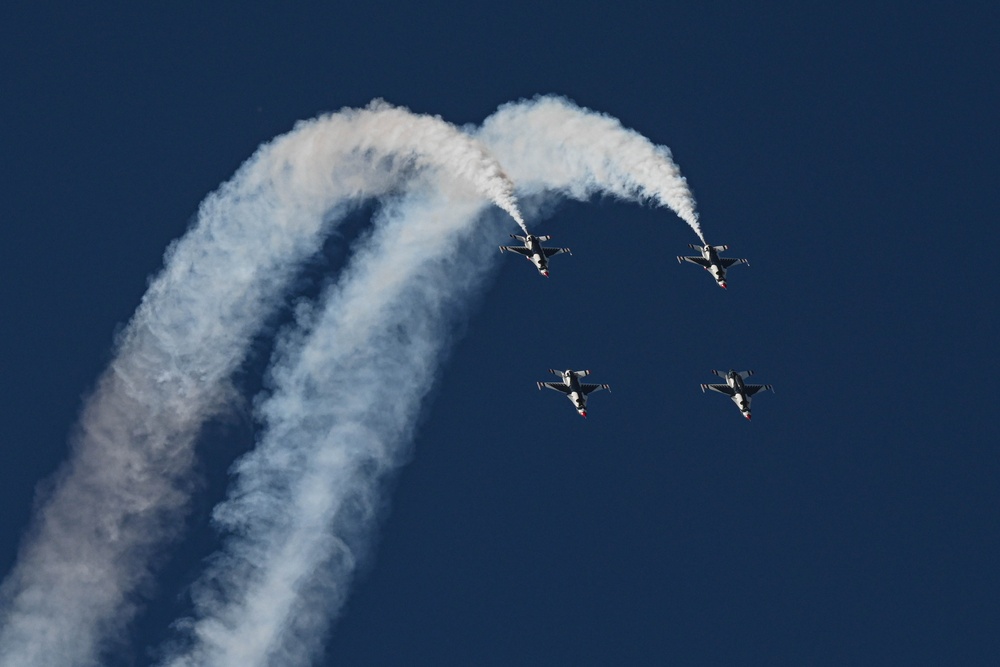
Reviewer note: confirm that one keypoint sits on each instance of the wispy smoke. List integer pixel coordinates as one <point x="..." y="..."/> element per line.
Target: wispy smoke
<point x="121" y="496"/>
<point x="550" y="145"/>
<point x="348" y="381"/>
<point x="346" y="391"/>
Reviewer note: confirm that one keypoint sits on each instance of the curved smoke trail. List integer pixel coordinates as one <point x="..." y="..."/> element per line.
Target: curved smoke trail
<point x="348" y="383"/>
<point x="121" y="496"/>
<point x="345" y="399"/>
<point x="550" y="145"/>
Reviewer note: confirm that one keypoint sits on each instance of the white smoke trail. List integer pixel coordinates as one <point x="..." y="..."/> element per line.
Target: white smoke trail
<point x="550" y="145"/>
<point x="347" y="385"/>
<point x="121" y="496"/>
<point x="345" y="400"/>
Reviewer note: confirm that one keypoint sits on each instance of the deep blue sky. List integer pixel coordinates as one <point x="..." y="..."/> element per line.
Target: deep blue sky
<point x="850" y="152"/>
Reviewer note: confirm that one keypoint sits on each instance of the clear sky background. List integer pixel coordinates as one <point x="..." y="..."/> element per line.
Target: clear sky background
<point x="850" y="152"/>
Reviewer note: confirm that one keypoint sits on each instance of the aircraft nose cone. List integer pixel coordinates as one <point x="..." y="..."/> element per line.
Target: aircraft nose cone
<point x="583" y="413"/>
<point x="545" y="273"/>
<point x="747" y="415"/>
<point x="722" y="285"/>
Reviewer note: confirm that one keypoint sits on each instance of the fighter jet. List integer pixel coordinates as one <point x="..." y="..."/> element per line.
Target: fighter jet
<point x="533" y="250"/>
<point x="711" y="262"/>
<point x="736" y="389"/>
<point x="575" y="391"/>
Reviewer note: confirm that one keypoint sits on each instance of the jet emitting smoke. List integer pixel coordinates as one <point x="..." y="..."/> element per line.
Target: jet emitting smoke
<point x="347" y="385"/>
<point x="121" y="496"/>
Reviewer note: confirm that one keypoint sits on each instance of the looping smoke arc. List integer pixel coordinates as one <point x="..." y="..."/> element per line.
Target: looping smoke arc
<point x="121" y="495"/>
<point x="299" y="511"/>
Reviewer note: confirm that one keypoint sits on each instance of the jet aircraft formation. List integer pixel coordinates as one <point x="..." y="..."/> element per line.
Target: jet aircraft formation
<point x="570" y="384"/>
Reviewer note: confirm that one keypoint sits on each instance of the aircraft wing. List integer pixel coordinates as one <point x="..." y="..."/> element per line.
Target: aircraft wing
<point x="754" y="388"/>
<point x="700" y="261"/>
<point x="726" y="262"/>
<point x="519" y="249"/>
<point x="721" y="388"/>
<point x="549" y="252"/>
<point x="558" y="386"/>
<point x="588" y="388"/>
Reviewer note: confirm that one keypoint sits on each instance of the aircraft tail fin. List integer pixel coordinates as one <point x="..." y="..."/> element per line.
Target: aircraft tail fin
<point x="745" y="374"/>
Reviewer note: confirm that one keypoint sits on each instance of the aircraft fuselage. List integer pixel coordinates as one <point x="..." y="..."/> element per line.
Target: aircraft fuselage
<point x="734" y="380"/>
<point x="537" y="256"/>
<point x="575" y="394"/>
<point x="714" y="267"/>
